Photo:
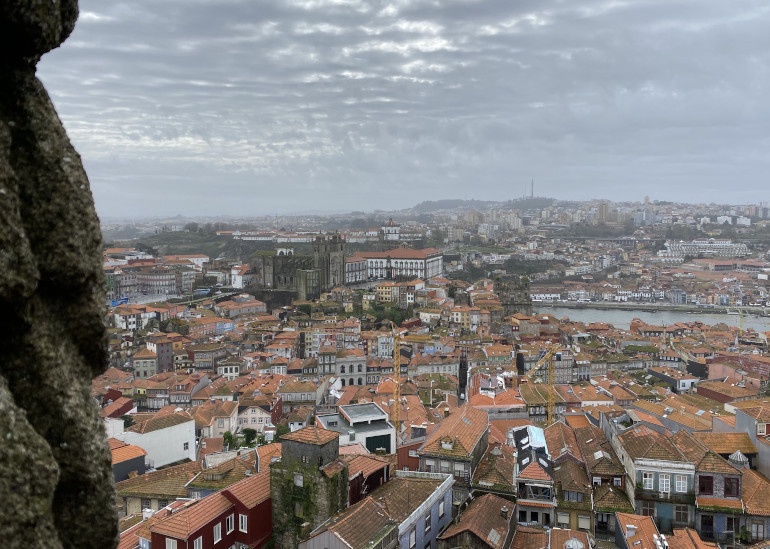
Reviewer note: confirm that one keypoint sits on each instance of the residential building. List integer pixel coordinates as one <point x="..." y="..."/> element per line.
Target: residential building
<point x="421" y="503"/>
<point x="238" y="516"/>
<point x="166" y="439"/>
<point x="365" y="423"/>
<point x="456" y="446"/>
<point x="486" y="523"/>
<point x="659" y="478"/>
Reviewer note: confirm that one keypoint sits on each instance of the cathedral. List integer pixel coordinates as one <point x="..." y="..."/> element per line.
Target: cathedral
<point x="307" y="275"/>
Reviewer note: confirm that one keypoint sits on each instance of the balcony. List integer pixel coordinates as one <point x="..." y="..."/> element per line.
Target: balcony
<point x="685" y="498"/>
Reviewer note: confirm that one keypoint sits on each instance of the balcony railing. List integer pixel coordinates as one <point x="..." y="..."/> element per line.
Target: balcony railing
<point x="687" y="498"/>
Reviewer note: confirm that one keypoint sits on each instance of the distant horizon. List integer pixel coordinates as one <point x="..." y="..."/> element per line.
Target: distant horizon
<point x="401" y="211"/>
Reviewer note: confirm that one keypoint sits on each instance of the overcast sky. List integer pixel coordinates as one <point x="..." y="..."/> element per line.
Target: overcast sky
<point x="252" y="107"/>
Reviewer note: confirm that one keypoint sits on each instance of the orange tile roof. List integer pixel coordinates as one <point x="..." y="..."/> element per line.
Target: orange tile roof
<point x="644" y="530"/>
<point x="687" y="538"/>
<point x="364" y="464"/>
<point x="756" y="493"/>
<point x="527" y="537"/>
<point x="534" y="471"/>
<point x="463" y="428"/>
<point x="251" y="491"/>
<point x="187" y="521"/>
<point x="126" y="452"/>
<point x="481" y="518"/>
<point x="701" y="502"/>
<point x="529" y="503"/>
<point x="727" y="443"/>
<point x="312" y="435"/>
<point x="577" y="421"/>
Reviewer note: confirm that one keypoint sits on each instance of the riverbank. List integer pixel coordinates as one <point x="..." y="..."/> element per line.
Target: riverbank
<point x="650" y="307"/>
<point x="658" y="316"/>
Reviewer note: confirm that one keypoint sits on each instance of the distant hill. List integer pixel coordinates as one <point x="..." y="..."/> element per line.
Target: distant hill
<point x="524" y="203"/>
<point x="452" y="204"/>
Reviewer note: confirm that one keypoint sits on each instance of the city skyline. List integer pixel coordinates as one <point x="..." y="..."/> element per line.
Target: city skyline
<point x="234" y="109"/>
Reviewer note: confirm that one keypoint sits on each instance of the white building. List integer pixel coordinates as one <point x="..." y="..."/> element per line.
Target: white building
<point x="167" y="439"/>
<point x="402" y="262"/>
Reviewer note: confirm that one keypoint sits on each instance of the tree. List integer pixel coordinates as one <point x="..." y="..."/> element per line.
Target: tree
<point x="282" y="429"/>
<point x="249" y="436"/>
<point x="128" y="421"/>
<point x="230" y="440"/>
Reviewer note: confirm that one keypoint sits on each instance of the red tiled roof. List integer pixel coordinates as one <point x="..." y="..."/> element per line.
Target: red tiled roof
<point x="534" y="471"/>
<point x="312" y="435"/>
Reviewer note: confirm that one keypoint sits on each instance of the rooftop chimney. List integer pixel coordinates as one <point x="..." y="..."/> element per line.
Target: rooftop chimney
<point x="504" y="512"/>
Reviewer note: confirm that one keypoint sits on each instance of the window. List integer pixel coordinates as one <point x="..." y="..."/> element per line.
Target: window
<point x="761" y="428"/>
<point x="146" y="503"/>
<point x="298" y="511"/>
<point x="562" y="520"/>
<point x="359" y="369"/>
<point x="732" y="487"/>
<point x="584" y="522"/>
<point x="299" y="480"/>
<point x="195" y="494"/>
<point x="664" y="482"/>
<point x="243" y="523"/>
<point x="617" y="481"/>
<point x="444" y="466"/>
<point x="221" y="423"/>
<point x="681" y="483"/>
<point x="170" y="543"/>
<point x="413" y="454"/>
<point x="217" y="532"/>
<point x="186" y="446"/>
<point x="412" y="538"/>
<point x="648" y="509"/>
<point x="427" y="523"/>
<point x="757" y="530"/>
<point x="198" y="543"/>
<point x="681" y="514"/>
<point x="162" y="503"/>
<point x="230" y="521"/>
<point x="305" y="459"/>
<point x="459" y="469"/>
<point x="706" y="485"/>
<point x="732" y="523"/>
<point x="648" y="480"/>
<point x="441" y="508"/>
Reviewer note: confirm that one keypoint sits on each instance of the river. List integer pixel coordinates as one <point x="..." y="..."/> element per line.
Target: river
<point x="622" y="319"/>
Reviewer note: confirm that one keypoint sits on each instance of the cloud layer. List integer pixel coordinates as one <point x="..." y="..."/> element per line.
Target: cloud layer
<point x="243" y="107"/>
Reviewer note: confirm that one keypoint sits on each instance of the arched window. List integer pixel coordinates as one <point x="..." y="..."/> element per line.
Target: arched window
<point x="342" y="371"/>
<point x="360" y="381"/>
<point x="359" y="369"/>
<point x="343" y="382"/>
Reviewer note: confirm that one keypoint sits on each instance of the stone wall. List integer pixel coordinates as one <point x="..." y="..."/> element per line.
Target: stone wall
<point x="55" y="472"/>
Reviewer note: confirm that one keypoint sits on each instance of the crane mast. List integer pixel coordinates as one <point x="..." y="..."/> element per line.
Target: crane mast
<point x="396" y="412"/>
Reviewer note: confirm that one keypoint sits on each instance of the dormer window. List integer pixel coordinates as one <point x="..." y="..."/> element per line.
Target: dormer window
<point x="447" y="444"/>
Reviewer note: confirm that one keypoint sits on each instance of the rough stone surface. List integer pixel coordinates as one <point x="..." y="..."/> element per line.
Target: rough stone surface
<point x="55" y="469"/>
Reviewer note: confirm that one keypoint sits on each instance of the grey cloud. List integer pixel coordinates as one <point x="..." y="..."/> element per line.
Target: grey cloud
<point x="314" y="104"/>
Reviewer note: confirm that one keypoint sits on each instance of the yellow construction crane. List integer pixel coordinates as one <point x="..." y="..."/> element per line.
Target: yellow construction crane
<point x="547" y="358"/>
<point x="397" y="380"/>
